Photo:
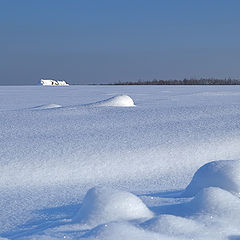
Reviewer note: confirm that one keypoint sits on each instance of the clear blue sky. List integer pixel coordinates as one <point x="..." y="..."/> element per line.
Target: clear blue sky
<point x="102" y="41"/>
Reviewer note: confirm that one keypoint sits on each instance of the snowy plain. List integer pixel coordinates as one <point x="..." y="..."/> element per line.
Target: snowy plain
<point x="143" y="161"/>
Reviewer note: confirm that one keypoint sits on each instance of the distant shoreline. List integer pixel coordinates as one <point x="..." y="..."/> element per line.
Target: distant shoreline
<point x="184" y="82"/>
<point x="191" y="81"/>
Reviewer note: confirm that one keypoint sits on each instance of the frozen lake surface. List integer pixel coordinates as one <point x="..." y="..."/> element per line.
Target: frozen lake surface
<point x="136" y="147"/>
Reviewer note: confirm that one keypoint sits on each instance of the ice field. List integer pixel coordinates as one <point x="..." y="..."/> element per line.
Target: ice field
<point x="120" y="162"/>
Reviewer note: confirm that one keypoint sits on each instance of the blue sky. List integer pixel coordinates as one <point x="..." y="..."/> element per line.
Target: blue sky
<point x="103" y="41"/>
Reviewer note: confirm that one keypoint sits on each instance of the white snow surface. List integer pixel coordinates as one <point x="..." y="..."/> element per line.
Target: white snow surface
<point x="149" y="161"/>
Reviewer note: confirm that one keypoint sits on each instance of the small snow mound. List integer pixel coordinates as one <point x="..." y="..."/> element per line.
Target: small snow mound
<point x="48" y="106"/>
<point x="216" y="202"/>
<point x="117" y="101"/>
<point x="172" y="225"/>
<point x="102" y="205"/>
<point x="224" y="174"/>
<point x="122" y="230"/>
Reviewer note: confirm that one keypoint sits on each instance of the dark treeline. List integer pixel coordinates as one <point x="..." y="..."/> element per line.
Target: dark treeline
<point x="191" y="81"/>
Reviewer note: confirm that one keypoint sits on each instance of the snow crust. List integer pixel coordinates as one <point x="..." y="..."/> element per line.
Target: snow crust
<point x="103" y="205"/>
<point x="165" y="156"/>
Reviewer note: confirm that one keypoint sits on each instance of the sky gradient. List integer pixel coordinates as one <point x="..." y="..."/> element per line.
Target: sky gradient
<point x="106" y="41"/>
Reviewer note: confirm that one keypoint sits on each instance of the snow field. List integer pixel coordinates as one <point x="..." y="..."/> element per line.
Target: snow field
<point x="172" y="140"/>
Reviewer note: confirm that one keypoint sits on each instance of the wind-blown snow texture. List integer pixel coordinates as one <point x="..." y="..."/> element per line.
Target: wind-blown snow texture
<point x="57" y="143"/>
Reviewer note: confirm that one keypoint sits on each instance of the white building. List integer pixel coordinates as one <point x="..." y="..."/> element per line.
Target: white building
<point x="50" y="82"/>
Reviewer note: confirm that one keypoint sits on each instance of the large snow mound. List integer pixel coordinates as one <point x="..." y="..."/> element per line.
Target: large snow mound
<point x="224" y="174"/>
<point x="116" y="101"/>
<point x="102" y="205"/>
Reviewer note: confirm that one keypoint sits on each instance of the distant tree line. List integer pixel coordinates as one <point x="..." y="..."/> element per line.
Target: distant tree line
<point x="191" y="81"/>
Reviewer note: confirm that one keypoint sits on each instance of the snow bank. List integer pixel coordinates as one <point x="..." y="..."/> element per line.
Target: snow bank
<point x="224" y="174"/>
<point x="117" y="101"/>
<point x="102" y="205"/>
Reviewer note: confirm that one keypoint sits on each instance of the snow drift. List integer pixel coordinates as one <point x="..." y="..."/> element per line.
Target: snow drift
<point x="224" y="174"/>
<point x="117" y="101"/>
<point x="47" y="106"/>
<point x="102" y="205"/>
